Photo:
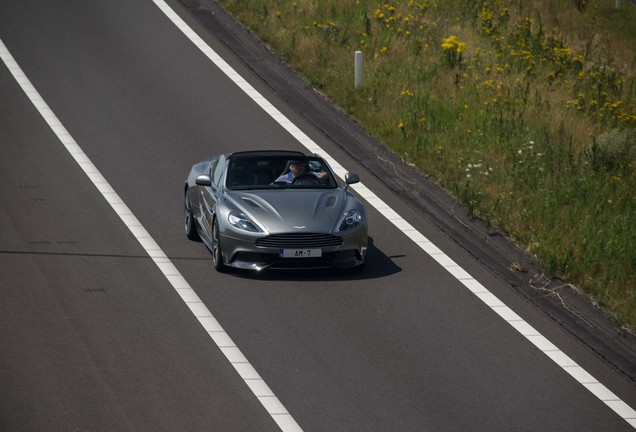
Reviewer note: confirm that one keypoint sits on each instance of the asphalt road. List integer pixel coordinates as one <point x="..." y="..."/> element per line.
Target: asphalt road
<point x="93" y="337"/>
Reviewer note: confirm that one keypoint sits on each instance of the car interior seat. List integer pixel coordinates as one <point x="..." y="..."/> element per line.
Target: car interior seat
<point x="240" y="176"/>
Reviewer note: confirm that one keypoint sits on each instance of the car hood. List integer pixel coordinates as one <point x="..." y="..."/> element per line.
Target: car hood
<point x="301" y="210"/>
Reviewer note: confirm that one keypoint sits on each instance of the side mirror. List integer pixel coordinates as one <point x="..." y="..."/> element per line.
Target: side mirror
<point x="203" y="180"/>
<point x="351" y="178"/>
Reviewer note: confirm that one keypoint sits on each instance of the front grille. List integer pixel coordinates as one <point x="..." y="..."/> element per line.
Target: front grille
<point x="297" y="241"/>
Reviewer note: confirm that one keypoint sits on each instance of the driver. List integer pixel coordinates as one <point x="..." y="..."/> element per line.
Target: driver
<point x="297" y="169"/>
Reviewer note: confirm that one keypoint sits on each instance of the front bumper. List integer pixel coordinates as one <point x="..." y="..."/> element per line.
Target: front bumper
<point x="349" y="251"/>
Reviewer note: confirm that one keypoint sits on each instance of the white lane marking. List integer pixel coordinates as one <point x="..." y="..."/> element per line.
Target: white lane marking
<point x="256" y="384"/>
<point x="560" y="358"/>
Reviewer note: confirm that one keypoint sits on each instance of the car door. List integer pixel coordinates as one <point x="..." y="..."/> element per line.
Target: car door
<point x="208" y="197"/>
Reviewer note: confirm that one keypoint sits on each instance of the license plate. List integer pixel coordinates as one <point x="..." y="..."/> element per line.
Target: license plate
<point x="300" y="253"/>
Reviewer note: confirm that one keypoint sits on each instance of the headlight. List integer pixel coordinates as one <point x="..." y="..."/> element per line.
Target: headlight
<point x="349" y="219"/>
<point x="241" y="221"/>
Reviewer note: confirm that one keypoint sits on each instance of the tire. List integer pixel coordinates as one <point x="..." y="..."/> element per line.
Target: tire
<point x="217" y="255"/>
<point x="188" y="216"/>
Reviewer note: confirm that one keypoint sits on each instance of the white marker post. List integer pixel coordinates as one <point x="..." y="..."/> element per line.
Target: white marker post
<point x="358" y="68"/>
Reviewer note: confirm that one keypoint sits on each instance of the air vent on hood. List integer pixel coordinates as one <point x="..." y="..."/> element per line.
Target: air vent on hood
<point x="251" y="202"/>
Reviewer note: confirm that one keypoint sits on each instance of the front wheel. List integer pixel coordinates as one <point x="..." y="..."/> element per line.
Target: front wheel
<point x="217" y="256"/>
<point x="188" y="216"/>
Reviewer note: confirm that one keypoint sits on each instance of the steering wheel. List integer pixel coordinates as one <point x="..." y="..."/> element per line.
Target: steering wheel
<point x="305" y="178"/>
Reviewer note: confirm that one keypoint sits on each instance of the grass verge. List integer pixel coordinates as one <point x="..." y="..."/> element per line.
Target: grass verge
<point x="524" y="110"/>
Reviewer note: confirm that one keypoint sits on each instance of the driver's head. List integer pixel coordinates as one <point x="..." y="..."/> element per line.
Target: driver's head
<point x="297" y="168"/>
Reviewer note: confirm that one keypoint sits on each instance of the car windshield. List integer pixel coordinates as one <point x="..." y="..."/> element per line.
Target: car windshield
<point x="278" y="173"/>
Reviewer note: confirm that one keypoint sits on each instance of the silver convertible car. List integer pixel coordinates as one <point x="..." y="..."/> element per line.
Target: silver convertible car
<point x="274" y="209"/>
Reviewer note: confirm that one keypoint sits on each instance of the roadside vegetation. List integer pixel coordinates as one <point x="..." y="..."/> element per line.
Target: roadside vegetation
<point x="524" y="110"/>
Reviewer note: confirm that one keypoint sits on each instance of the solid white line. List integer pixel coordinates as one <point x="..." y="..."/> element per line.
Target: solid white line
<point x="560" y="358"/>
<point x="245" y="370"/>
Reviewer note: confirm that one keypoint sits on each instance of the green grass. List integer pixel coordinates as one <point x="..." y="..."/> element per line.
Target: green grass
<point x="524" y="110"/>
